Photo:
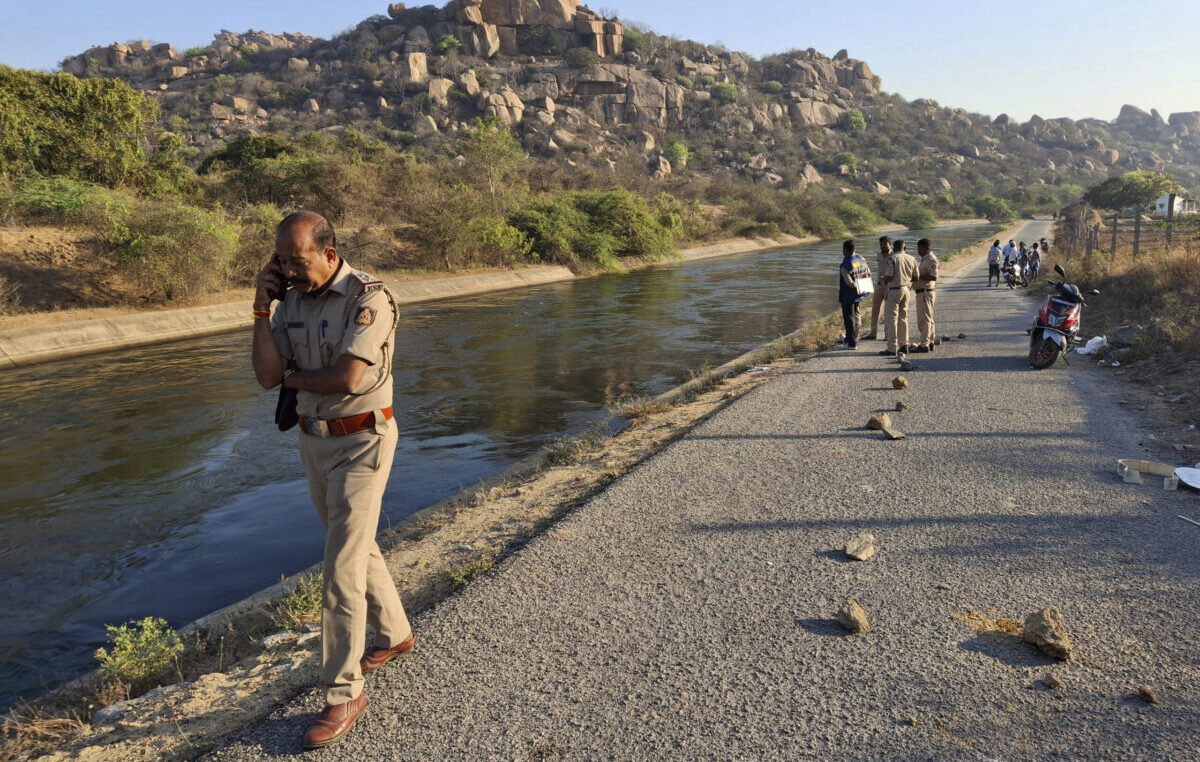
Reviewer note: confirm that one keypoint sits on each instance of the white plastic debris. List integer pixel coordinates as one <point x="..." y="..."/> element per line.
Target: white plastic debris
<point x="1094" y="345"/>
<point x="1116" y="363"/>
<point x="760" y="368"/>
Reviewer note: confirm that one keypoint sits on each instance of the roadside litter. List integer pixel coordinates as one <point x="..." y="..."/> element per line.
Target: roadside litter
<point x="1094" y="345"/>
<point x="760" y="368"/>
<point x="1190" y="477"/>
<point x="1146" y="471"/>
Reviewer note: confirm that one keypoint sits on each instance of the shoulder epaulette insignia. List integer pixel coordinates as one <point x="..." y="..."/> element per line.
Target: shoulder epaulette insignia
<point x="367" y="280"/>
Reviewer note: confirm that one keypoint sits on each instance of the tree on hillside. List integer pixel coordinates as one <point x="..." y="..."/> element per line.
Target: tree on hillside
<point x="1137" y="189"/>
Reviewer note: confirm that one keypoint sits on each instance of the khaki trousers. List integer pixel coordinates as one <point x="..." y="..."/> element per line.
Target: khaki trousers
<point x="895" y="318"/>
<point x="877" y="300"/>
<point x="346" y="478"/>
<point x="925" y="300"/>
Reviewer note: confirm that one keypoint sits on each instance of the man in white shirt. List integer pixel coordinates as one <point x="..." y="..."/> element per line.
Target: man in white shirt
<point x="994" y="255"/>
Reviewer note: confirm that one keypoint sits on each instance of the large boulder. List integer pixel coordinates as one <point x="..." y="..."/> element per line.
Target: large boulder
<point x="1188" y="119"/>
<point x="559" y="14"/>
<point x="1132" y="116"/>
<point x="412" y="68"/>
<point x="813" y="112"/>
<point x="469" y="82"/>
<point x="439" y="91"/>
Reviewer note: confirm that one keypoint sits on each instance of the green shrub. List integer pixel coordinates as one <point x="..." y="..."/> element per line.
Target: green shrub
<point x="853" y="121"/>
<point x="724" y="92"/>
<point x="596" y="227"/>
<point x="500" y="242"/>
<point x="581" y="58"/>
<point x="676" y="153"/>
<point x="995" y="209"/>
<point x="638" y="42"/>
<point x="244" y="152"/>
<point x="858" y="218"/>
<point x="85" y="129"/>
<point x="708" y="80"/>
<point x="171" y="249"/>
<point x="301" y="605"/>
<point x="54" y="200"/>
<point x="772" y="87"/>
<point x="198" y="50"/>
<point x="847" y="158"/>
<point x="685" y="81"/>
<point x="447" y="42"/>
<point x="141" y="653"/>
<point x="820" y="220"/>
<point x="916" y="216"/>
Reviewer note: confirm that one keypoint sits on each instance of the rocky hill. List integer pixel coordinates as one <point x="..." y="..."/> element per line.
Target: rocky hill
<point x="583" y="90"/>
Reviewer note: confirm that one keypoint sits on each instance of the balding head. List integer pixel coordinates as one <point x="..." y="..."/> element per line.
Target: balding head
<point x="306" y="247"/>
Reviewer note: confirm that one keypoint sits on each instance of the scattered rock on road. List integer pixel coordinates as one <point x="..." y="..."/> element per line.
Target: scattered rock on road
<point x="893" y="434"/>
<point x="962" y="336"/>
<point x="879" y="421"/>
<point x="852" y="617"/>
<point x="1045" y="629"/>
<point x="1052" y="682"/>
<point x="899" y="382"/>
<point x="906" y="365"/>
<point x="861" y="546"/>
<point x="900" y="406"/>
<point x="945" y="338"/>
<point x="1147" y="694"/>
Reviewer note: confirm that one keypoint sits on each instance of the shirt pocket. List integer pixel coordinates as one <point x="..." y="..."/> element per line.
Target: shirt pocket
<point x="297" y="334"/>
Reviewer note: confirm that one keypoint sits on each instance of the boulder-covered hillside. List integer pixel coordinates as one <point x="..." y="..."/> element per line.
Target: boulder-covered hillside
<point x="588" y="92"/>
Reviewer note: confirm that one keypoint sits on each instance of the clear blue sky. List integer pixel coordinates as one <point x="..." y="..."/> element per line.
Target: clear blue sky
<point x="1054" y="58"/>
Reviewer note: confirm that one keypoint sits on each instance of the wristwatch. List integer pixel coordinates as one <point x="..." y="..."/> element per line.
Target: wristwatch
<point x="291" y="371"/>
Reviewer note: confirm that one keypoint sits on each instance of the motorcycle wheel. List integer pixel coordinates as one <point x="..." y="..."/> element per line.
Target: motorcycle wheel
<point x="1043" y="354"/>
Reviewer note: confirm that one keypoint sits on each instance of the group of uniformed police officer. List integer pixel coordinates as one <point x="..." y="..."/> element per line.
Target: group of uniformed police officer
<point x="901" y="279"/>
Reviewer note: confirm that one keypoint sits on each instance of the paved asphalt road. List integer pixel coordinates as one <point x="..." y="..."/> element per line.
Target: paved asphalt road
<point x="685" y="613"/>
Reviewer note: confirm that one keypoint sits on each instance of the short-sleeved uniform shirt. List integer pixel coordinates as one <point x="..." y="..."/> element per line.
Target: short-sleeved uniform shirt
<point x="927" y="272"/>
<point x="315" y="331"/>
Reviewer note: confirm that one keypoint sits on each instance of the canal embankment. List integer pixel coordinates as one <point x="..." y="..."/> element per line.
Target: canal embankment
<point x="56" y="336"/>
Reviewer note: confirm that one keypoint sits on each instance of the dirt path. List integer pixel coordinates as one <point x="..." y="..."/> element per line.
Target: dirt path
<point x="686" y="612"/>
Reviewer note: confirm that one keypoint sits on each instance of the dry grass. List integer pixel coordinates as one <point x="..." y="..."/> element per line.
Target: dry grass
<point x="990" y="622"/>
<point x="26" y="732"/>
<point x="1159" y="290"/>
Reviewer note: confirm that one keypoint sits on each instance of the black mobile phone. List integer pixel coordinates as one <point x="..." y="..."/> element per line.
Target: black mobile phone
<point x="279" y="268"/>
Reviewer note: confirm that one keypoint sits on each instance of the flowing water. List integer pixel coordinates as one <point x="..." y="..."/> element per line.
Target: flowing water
<point x="153" y="482"/>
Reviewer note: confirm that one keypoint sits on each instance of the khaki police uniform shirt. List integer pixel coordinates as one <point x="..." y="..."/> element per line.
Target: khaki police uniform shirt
<point x="927" y="272"/>
<point x="882" y="271"/>
<point x="315" y="331"/>
<point x="901" y="270"/>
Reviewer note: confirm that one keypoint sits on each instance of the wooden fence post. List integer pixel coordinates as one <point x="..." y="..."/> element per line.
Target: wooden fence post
<point x="1170" y="217"/>
<point x="1113" y="251"/>
<point x="1137" y="231"/>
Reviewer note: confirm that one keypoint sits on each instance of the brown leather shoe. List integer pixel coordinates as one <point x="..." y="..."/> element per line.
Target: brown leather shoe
<point x="333" y="722"/>
<point x="376" y="657"/>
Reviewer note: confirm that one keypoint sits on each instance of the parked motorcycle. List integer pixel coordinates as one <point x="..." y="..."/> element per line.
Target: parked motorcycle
<point x="1014" y="275"/>
<point x="1057" y="323"/>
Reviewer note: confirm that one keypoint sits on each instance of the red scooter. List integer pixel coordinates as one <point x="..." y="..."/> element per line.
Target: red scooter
<point x="1057" y="323"/>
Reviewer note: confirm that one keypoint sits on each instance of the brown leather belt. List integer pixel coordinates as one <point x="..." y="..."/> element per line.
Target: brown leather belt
<point x="922" y="290"/>
<point x="340" y="427"/>
<point x="896" y="288"/>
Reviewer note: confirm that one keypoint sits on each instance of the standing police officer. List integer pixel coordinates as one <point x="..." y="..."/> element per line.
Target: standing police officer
<point x="898" y="276"/>
<point x="885" y="251"/>
<point x="853" y="268"/>
<point x="923" y="287"/>
<point x="332" y="338"/>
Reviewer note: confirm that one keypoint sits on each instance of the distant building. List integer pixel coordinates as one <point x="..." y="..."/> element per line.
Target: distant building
<point x="1182" y="206"/>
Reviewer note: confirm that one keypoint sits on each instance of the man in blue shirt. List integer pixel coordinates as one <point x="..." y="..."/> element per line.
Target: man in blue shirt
<point x="854" y="275"/>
